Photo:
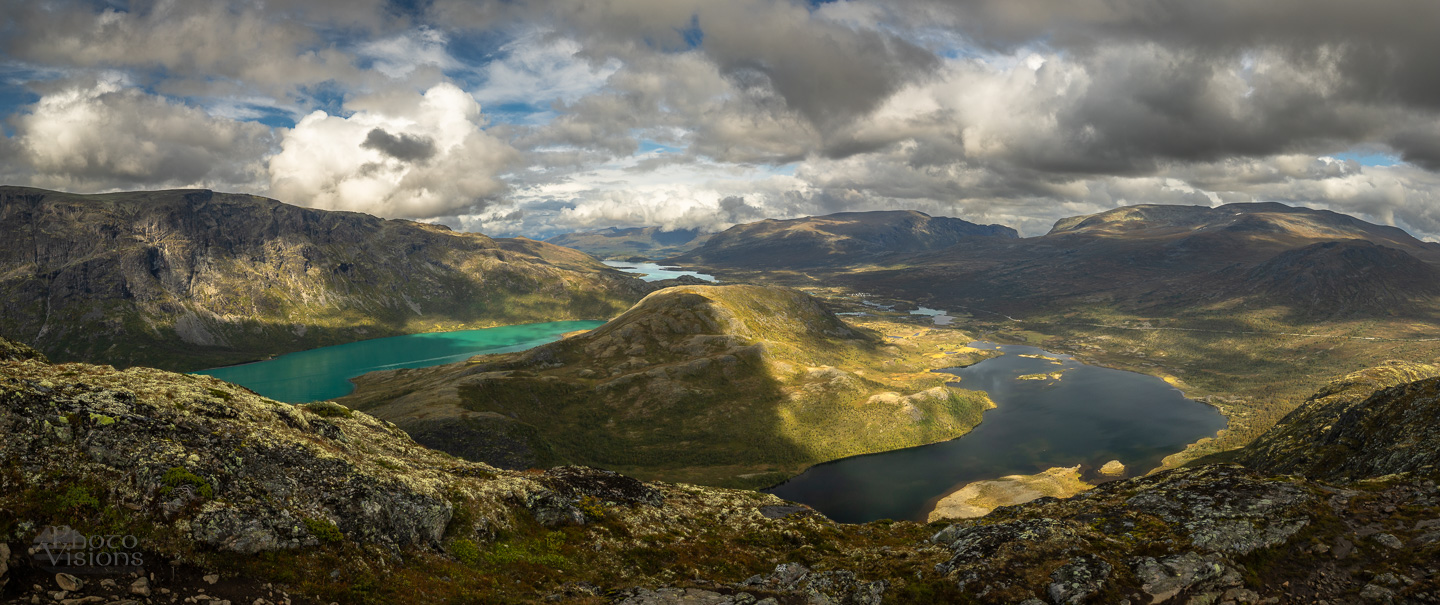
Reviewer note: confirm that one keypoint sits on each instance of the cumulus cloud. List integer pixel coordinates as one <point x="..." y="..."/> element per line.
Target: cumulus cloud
<point x="397" y="155"/>
<point x="825" y="70"/>
<point x="102" y="135"/>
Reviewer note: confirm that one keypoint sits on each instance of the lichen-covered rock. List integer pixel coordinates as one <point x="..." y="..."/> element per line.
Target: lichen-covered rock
<point x="1201" y="515"/>
<point x="244" y="472"/>
<point x="553" y="510"/>
<point x="1222" y="510"/>
<point x="1078" y="580"/>
<point x="1166" y="577"/>
<point x="605" y="486"/>
<point x="681" y="596"/>
<point x="838" y="587"/>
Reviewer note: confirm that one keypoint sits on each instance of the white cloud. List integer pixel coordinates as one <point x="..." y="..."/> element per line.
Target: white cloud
<point x="399" y="56"/>
<point x="682" y="194"/>
<point x="106" y="135"/>
<point x="538" y="67"/>
<point x="341" y="163"/>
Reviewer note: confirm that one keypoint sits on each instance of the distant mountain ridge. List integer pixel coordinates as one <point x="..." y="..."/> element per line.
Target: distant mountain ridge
<point x="189" y="279"/>
<point x="624" y="243"/>
<point x="843" y="238"/>
<point x="1319" y="264"/>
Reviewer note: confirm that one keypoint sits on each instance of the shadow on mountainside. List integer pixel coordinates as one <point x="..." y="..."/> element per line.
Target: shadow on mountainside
<point x="721" y="385"/>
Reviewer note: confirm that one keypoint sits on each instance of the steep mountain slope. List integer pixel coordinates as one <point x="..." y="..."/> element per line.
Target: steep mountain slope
<point x="1374" y="422"/>
<point x="736" y="385"/>
<point x="626" y="243"/>
<point x="245" y="499"/>
<point x="836" y="240"/>
<point x="195" y="279"/>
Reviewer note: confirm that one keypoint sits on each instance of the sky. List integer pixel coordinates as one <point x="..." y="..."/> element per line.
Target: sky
<point x="537" y="118"/>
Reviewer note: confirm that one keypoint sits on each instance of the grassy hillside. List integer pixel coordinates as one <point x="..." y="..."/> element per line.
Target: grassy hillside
<point x="732" y="385"/>
<point x="195" y="279"/>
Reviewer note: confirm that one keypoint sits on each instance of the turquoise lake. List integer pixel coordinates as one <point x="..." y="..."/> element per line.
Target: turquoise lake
<point x="325" y="373"/>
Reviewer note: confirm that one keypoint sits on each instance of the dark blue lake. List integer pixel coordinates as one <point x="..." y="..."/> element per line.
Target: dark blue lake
<point x="1091" y="415"/>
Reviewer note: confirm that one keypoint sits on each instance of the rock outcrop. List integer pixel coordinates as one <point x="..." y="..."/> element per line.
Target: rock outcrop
<point x="1210" y="534"/>
<point x="227" y="493"/>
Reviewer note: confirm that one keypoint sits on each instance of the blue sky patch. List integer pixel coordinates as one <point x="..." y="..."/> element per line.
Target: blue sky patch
<point x="1365" y="158"/>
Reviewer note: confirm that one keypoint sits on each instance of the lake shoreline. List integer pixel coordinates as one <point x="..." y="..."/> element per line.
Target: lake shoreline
<point x="325" y="373"/>
<point x="1095" y="414"/>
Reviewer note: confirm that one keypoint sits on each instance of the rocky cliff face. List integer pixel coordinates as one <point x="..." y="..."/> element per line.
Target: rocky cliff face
<point x="250" y="500"/>
<point x="195" y="279"/>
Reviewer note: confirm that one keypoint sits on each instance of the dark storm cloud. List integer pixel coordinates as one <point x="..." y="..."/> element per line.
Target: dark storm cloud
<point x="1386" y="49"/>
<point x="404" y="147"/>
<point x="826" y="71"/>
<point x="1202" y="80"/>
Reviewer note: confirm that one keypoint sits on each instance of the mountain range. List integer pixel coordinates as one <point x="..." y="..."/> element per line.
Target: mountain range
<point x="633" y="243"/>
<point x="191" y="279"/>
<point x="1314" y="264"/>
<point x="846" y="238"/>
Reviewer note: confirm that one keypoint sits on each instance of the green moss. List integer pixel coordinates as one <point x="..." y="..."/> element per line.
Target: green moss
<point x="326" y="531"/>
<point x="590" y="505"/>
<point x="77" y="497"/>
<point x="178" y="476"/>
<point x="465" y="551"/>
<point x="221" y="394"/>
<point x="328" y="409"/>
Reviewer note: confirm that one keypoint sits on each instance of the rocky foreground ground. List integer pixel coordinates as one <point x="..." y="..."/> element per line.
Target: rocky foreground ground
<point x="232" y="497"/>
